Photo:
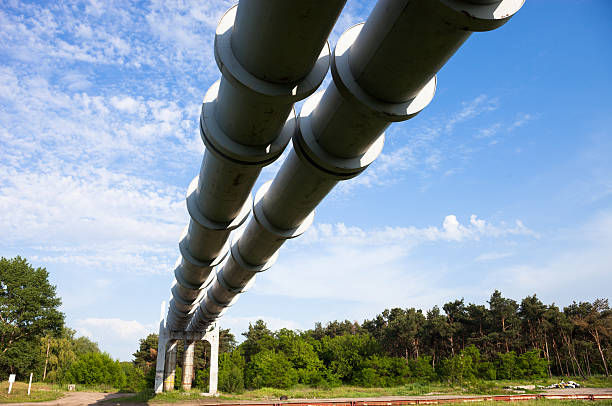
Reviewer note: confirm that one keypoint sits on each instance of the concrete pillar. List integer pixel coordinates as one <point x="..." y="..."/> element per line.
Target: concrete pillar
<point x="271" y="54"/>
<point x="187" y="379"/>
<point x="170" y="367"/>
<point x="389" y="77"/>
<point x="161" y="351"/>
<point x="212" y="336"/>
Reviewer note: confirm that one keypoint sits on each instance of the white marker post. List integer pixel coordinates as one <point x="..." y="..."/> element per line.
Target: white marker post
<point x="30" y="384"/>
<point x="11" y="380"/>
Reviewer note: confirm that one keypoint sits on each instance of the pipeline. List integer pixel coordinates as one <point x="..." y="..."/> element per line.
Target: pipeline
<point x="383" y="71"/>
<point x="271" y="54"/>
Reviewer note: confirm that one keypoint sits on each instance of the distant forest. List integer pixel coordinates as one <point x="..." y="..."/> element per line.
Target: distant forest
<point x="501" y="340"/>
<point x="504" y="339"/>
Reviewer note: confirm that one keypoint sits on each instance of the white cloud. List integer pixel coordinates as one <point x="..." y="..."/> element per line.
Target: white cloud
<point x="378" y="266"/>
<point x="117" y="336"/>
<point x="126" y="103"/>
<point x="492" y="256"/>
<point x="451" y="230"/>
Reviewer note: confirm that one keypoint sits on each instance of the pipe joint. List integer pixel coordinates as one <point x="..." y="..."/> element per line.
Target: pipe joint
<point x="351" y="91"/>
<point x="335" y="167"/>
<point x="230" y="289"/>
<point x="244" y="266"/>
<point x="215" y="305"/>
<point x="180" y="272"/>
<point x="478" y="15"/>
<point x="193" y="270"/>
<point x="261" y="218"/>
<point x="219" y="143"/>
<point x="184" y="304"/>
<point x="208" y="224"/>
<point x="233" y="70"/>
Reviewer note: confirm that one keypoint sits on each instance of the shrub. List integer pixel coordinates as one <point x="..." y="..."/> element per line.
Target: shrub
<point x="532" y="365"/>
<point x="97" y="369"/>
<point x="134" y="377"/>
<point x="272" y="369"/>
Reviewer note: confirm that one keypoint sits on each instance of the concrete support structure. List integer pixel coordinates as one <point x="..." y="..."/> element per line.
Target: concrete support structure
<point x="383" y="72"/>
<point x="271" y="54"/>
<point x="161" y="351"/>
<point x="167" y="353"/>
<point x="188" y="353"/>
<point x="170" y="365"/>
<point x="212" y="336"/>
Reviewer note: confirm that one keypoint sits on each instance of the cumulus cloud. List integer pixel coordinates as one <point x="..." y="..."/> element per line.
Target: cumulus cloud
<point x="114" y="335"/>
<point x="451" y="230"/>
<point x="377" y="266"/>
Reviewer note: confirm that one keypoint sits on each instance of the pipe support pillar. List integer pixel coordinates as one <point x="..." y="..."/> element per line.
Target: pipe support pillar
<point x="188" y="353"/>
<point x="170" y="367"/>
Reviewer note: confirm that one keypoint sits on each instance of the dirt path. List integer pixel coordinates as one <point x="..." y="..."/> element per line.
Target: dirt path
<point x="76" y="399"/>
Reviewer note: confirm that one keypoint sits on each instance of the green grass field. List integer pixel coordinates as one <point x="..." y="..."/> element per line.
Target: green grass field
<point x="19" y="394"/>
<point x="413" y="389"/>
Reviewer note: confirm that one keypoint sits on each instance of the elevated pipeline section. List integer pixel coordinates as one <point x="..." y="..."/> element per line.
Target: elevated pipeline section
<point x="271" y="54"/>
<point x="383" y="72"/>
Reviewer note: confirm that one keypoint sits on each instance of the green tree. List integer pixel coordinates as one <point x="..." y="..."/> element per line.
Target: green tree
<point x="231" y="372"/>
<point x="28" y="311"/>
<point x="97" y="369"/>
<point x="134" y="377"/>
<point x="258" y="338"/>
<point x="505" y="319"/>
<point x="146" y="357"/>
<point x="302" y="356"/>
<point x="269" y="368"/>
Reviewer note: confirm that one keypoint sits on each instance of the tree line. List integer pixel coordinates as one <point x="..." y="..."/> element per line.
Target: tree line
<point x="34" y="338"/>
<point x="504" y="339"/>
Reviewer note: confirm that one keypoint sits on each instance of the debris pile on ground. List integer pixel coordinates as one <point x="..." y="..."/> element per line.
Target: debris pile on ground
<point x="561" y="385"/>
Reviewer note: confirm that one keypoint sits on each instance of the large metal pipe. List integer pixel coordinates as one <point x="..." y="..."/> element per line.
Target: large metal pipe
<point x="383" y="71"/>
<point x="271" y="55"/>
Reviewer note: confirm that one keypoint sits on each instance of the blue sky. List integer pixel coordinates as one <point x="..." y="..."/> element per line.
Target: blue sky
<point x="503" y="182"/>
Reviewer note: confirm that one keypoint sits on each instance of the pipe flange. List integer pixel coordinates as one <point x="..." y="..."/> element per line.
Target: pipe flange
<point x="180" y="269"/>
<point x="181" y="305"/>
<point x="210" y="296"/>
<point x="180" y="279"/>
<point x="352" y="92"/>
<point x="262" y="220"/>
<point x="218" y="308"/>
<point x="194" y="262"/>
<point x="219" y="143"/>
<point x="177" y="313"/>
<point x="339" y="168"/>
<point x="232" y="289"/>
<point x="205" y="222"/>
<point x="185" y="296"/>
<point x="232" y="70"/>
<point x="471" y="16"/>
<point x="235" y="253"/>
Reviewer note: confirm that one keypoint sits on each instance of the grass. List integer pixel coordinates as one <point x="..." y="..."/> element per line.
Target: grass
<point x="478" y="387"/>
<point x="19" y="394"/>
